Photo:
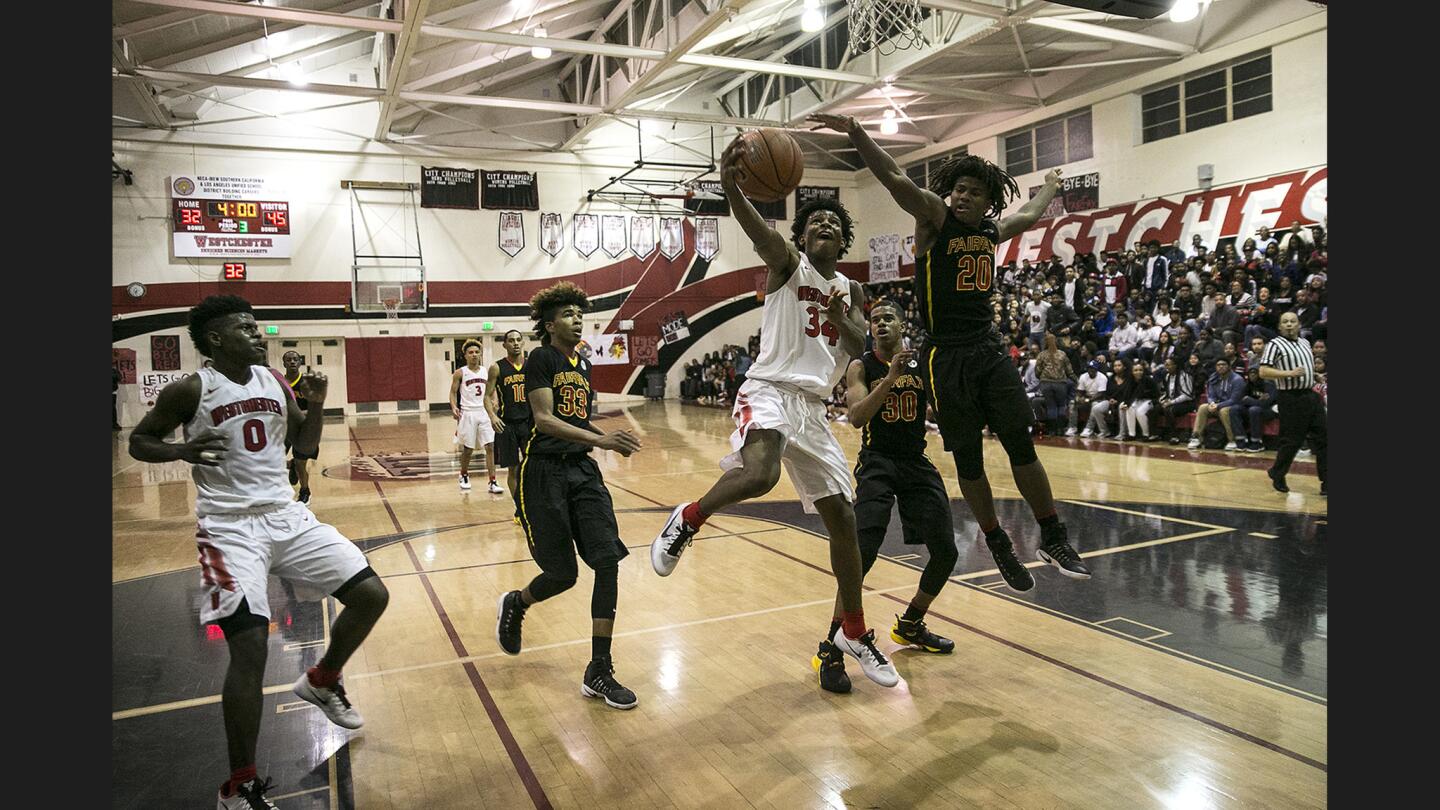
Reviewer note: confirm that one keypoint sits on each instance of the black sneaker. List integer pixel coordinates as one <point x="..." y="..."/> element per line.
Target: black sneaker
<point x="830" y="663"/>
<point x="1016" y="575"/>
<point x="916" y="634"/>
<point x="1277" y="481"/>
<point x="294" y="476"/>
<point x="304" y="495"/>
<point x="249" y="796"/>
<point x="508" y="617"/>
<point x="1056" y="550"/>
<point x="600" y="682"/>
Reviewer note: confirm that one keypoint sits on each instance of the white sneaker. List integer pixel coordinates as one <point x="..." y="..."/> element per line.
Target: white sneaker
<point x="671" y="542"/>
<point x="1086" y="433"/>
<point x="877" y="667"/>
<point x="1304" y="452"/>
<point x="331" y="701"/>
<point x="1070" y="431"/>
<point x="495" y="489"/>
<point x="1194" y="443"/>
<point x="464" y="481"/>
<point x="1231" y="446"/>
<point x="248" y="796"/>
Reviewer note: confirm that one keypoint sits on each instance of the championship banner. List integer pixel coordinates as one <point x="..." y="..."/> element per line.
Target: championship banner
<point x="885" y="257"/>
<point x="645" y="350"/>
<point x="223" y="217"/>
<point x="506" y="189"/>
<point x="674" y="327"/>
<point x="770" y="210"/>
<point x="707" y="237"/>
<point x="720" y="206"/>
<point x="1229" y="212"/>
<point x="612" y="235"/>
<point x="449" y="188"/>
<point x="808" y="194"/>
<point x="1080" y="193"/>
<point x="605" y="350"/>
<point x="164" y="353"/>
<point x="552" y="234"/>
<point x="512" y="232"/>
<point x="587" y="233"/>
<point x="672" y="237"/>
<point x="642" y="236"/>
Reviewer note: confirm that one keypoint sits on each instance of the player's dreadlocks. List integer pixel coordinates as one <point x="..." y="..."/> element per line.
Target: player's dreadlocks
<point x="547" y="304"/>
<point x="847" y="225"/>
<point x="215" y="306"/>
<point x="999" y="186"/>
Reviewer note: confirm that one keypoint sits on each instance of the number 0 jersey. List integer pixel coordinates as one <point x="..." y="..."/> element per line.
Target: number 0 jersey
<point x="898" y="428"/>
<point x="798" y="346"/>
<point x="568" y="379"/>
<point x="252" y="418"/>
<point x="954" y="280"/>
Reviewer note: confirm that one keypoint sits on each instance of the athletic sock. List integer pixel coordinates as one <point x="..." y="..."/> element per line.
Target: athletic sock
<point x="322" y="677"/>
<point x="693" y="515"/>
<point x="991" y="532"/>
<point x="1050" y="521"/>
<point x="238" y="777"/>
<point x="912" y="614"/>
<point x="834" y="625"/>
<point x="854" y="623"/>
<point x="599" y="647"/>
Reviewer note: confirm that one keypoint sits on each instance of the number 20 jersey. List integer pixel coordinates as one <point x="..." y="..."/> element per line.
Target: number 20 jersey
<point x="798" y="347"/>
<point x="252" y="418"/>
<point x="954" y="280"/>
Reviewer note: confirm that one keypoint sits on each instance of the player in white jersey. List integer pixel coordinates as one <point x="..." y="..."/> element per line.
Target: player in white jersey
<point x="471" y="408"/>
<point x="237" y="415"/>
<point x="808" y="333"/>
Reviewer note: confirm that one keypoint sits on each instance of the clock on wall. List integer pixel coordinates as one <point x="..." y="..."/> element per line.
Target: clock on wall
<point x="136" y="289"/>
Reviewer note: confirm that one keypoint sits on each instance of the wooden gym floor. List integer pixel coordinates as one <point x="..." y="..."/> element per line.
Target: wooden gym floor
<point x="1189" y="672"/>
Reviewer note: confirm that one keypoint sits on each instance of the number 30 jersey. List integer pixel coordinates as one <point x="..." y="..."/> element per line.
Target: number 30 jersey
<point x="898" y="428"/>
<point x="798" y="346"/>
<point x="252" y="418"/>
<point x="954" y="280"/>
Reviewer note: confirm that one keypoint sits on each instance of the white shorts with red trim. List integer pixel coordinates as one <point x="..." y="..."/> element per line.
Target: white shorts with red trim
<point x="475" y="429"/>
<point x="812" y="456"/>
<point x="238" y="553"/>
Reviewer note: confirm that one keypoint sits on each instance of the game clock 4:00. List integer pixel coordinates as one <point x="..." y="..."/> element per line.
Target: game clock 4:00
<point x="231" y="216"/>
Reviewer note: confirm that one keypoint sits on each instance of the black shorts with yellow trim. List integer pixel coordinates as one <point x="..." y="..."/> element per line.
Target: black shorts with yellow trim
<point x="974" y="386"/>
<point x="882" y="481"/>
<point x="566" y="510"/>
<point x="510" y="442"/>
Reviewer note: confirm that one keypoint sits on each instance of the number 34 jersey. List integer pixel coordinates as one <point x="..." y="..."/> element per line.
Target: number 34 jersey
<point x="798" y="346"/>
<point x="252" y="419"/>
<point x="954" y="280"/>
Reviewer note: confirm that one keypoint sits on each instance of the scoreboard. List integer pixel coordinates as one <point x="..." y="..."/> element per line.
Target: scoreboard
<point x="226" y="217"/>
<point x="223" y="217"/>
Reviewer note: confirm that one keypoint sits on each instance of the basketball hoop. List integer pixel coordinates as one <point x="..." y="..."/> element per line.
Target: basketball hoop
<point x="885" y="25"/>
<point x="392" y="308"/>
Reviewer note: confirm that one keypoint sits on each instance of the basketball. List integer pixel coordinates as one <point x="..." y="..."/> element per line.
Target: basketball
<point x="771" y="165"/>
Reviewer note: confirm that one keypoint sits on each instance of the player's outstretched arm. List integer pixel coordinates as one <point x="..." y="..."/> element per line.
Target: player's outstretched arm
<point x="542" y="404"/>
<point x="923" y="204"/>
<point x="492" y="397"/>
<point x="779" y="255"/>
<point x="174" y="407"/>
<point x="1030" y="212"/>
<point x="303" y="426"/>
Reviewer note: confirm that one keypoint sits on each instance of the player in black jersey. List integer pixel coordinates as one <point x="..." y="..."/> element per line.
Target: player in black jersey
<point x="969" y="379"/>
<point x="507" y="387"/>
<point x="886" y="398"/>
<point x="564" y="506"/>
<point x="299" y="465"/>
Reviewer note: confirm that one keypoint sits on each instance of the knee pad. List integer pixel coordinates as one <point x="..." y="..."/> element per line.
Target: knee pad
<point x="607" y="591"/>
<point x="1019" y="446"/>
<point x="970" y="459"/>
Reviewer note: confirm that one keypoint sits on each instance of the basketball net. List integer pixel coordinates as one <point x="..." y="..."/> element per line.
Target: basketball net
<point x="885" y="25"/>
<point x="392" y="308"/>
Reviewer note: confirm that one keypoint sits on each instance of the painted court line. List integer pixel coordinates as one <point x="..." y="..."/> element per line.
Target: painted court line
<point x="1263" y="535"/>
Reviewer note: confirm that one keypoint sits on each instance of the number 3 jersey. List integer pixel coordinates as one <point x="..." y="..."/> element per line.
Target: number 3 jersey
<point x="252" y="419"/>
<point x="954" y="280"/>
<point x="898" y="428"/>
<point x="568" y="379"/>
<point x="798" y="346"/>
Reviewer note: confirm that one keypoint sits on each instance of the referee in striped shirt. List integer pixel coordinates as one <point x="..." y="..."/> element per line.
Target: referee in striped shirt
<point x="1287" y="360"/>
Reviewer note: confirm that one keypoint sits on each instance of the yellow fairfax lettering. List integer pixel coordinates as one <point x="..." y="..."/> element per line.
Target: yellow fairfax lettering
<point x="966" y="244"/>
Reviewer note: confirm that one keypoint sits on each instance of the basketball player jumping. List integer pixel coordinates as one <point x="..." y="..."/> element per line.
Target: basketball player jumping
<point x="299" y="461"/>
<point x="886" y="398"/>
<point x="237" y="416"/>
<point x="808" y="331"/>
<point x="471" y="408"/>
<point x="507" y="399"/>
<point x="564" y="505"/>
<point x="969" y="379"/>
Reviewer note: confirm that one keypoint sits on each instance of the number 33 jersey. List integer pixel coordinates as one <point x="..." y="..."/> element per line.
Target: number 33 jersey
<point x="954" y="280"/>
<point x="252" y="419"/>
<point x="568" y="379"/>
<point x="798" y="346"/>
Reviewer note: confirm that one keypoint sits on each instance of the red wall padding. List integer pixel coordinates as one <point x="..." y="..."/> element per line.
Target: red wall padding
<point x="385" y="369"/>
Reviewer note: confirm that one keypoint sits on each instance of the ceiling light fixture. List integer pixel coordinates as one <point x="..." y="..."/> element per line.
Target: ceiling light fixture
<point x="540" y="51"/>
<point x="888" y="124"/>
<point x="292" y="73"/>
<point x="1184" y="10"/>
<point x="813" y="19"/>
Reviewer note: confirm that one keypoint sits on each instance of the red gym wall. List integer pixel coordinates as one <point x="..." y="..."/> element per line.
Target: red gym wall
<point x="385" y="369"/>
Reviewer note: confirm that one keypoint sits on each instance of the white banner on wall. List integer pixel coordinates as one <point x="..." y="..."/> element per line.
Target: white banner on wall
<point x="605" y="350"/>
<point x="885" y="257"/>
<point x="612" y="235"/>
<point x="707" y="237"/>
<point x="642" y="236"/>
<point x="552" y="233"/>
<point x="587" y="233"/>
<point x="512" y="232"/>
<point x="672" y="237"/>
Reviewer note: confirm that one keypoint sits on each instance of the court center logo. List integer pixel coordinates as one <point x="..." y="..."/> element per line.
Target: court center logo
<point x="184" y="186"/>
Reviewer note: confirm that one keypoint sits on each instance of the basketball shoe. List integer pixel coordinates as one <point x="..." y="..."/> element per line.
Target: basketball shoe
<point x="1056" y="550"/>
<point x="464" y="481"/>
<point x="600" y="682"/>
<point x="1016" y="575"/>
<point x="672" y="541"/>
<point x="916" y="634"/>
<point x="830" y="663"/>
<point x="509" y="616"/>
<point x="248" y="796"/>
<point x="495" y="489"/>
<point x="873" y="662"/>
<point x="331" y="700"/>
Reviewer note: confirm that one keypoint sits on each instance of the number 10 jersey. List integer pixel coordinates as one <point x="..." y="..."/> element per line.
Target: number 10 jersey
<point x="798" y="346"/>
<point x="252" y="418"/>
<point x="954" y="280"/>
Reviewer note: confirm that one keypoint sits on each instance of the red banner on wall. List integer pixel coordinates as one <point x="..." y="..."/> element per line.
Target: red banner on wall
<point x="1232" y="211"/>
